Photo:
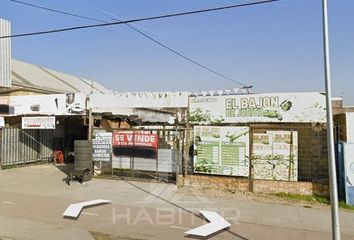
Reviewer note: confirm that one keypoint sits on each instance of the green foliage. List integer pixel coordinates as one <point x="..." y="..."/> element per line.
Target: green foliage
<point x="204" y="166"/>
<point x="312" y="198"/>
<point x="307" y="198"/>
<point x="343" y="205"/>
<point x="198" y="115"/>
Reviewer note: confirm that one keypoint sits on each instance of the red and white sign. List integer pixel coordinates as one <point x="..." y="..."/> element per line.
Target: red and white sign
<point x="38" y="122"/>
<point x="137" y="139"/>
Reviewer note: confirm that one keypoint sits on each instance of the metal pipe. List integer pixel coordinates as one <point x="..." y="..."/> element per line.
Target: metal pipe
<point x="330" y="134"/>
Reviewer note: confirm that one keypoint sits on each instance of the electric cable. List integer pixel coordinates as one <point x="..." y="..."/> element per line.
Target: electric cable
<point x="140" y="32"/>
<point x="138" y="19"/>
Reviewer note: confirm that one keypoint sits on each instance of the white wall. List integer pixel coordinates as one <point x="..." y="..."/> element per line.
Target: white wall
<point x="350" y="127"/>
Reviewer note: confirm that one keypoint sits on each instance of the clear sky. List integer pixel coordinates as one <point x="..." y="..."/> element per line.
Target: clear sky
<point x="275" y="47"/>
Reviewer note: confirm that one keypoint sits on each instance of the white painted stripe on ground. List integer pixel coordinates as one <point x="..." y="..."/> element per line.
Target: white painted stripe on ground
<point x="90" y="214"/>
<point x="216" y="223"/>
<point x="74" y="209"/>
<point x="179" y="227"/>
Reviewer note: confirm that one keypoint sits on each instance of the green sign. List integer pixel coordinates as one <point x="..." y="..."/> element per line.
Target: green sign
<point x="272" y="107"/>
<point x="221" y="150"/>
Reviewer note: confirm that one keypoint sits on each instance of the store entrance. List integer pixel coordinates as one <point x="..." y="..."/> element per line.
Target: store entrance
<point x="68" y="129"/>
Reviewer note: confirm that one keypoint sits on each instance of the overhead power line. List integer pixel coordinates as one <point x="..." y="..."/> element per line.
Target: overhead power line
<point x="139" y="19"/>
<point x="138" y="31"/>
<point x="54" y="10"/>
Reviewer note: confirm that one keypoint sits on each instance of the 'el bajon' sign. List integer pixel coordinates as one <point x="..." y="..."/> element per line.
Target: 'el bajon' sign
<point x="271" y="107"/>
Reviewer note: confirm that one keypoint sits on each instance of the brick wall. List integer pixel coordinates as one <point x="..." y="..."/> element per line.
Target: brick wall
<point x="235" y="184"/>
<point x="218" y="182"/>
<point x="302" y="188"/>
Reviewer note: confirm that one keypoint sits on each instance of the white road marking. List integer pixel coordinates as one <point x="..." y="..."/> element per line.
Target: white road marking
<point x="90" y="214"/>
<point x="178" y="227"/>
<point x="74" y="209"/>
<point x="6" y="202"/>
<point x="216" y="223"/>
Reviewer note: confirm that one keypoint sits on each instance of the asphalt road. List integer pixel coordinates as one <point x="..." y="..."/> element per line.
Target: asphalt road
<point x="33" y="199"/>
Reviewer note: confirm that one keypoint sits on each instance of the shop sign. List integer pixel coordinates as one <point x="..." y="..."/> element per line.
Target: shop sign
<point x="38" y="122"/>
<point x="102" y="147"/>
<point x="52" y="104"/>
<point x="137" y="139"/>
<point x="221" y="150"/>
<point x="349" y="172"/>
<point x="272" y="107"/>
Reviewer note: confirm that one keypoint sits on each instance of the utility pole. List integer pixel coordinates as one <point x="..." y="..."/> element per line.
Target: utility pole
<point x="186" y="150"/>
<point x="330" y="134"/>
<point x="90" y="127"/>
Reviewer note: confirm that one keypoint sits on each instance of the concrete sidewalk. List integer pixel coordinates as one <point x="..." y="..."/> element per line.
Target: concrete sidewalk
<point x="32" y="200"/>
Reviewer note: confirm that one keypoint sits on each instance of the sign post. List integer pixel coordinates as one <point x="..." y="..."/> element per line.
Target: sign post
<point x="330" y="134"/>
<point x="102" y="147"/>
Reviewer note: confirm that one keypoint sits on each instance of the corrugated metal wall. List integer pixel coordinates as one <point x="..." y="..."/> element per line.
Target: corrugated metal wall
<point x="20" y="146"/>
<point x="5" y="54"/>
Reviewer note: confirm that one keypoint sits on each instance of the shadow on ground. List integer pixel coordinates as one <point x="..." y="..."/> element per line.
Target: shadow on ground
<point x="65" y="168"/>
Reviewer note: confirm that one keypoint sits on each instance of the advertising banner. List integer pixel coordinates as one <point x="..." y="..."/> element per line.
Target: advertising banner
<point x="54" y="104"/>
<point x="271" y="107"/>
<point x="135" y="144"/>
<point x="2" y="122"/>
<point x="275" y="155"/>
<point x="349" y="172"/>
<point x="102" y="147"/>
<point x="137" y="139"/>
<point x="38" y="122"/>
<point x="221" y="150"/>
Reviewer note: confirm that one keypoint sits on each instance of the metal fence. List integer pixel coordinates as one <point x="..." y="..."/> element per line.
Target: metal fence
<point x="307" y="160"/>
<point x="164" y="164"/>
<point x="312" y="162"/>
<point x="19" y="146"/>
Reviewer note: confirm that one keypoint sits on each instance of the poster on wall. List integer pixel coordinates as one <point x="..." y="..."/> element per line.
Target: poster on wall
<point x="38" y="122"/>
<point x="271" y="107"/>
<point x="349" y="172"/>
<point x="54" y="104"/>
<point x="102" y="147"/>
<point x="135" y="144"/>
<point x="275" y="155"/>
<point x="221" y="150"/>
<point x="2" y="122"/>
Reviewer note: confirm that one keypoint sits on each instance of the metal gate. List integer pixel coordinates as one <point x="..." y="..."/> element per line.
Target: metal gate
<point x="163" y="163"/>
<point x="19" y="146"/>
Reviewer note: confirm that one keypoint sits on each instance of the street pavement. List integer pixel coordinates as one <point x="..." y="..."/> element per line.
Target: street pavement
<point x="33" y="199"/>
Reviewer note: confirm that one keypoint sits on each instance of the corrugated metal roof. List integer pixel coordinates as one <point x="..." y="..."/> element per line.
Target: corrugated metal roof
<point x="28" y="75"/>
